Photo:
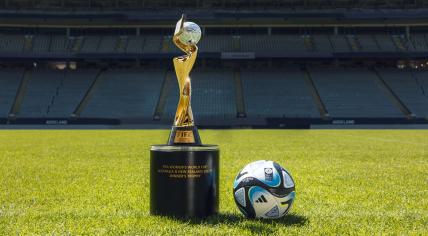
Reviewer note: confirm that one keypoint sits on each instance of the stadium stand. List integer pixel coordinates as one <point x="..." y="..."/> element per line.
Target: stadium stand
<point x="123" y="93"/>
<point x="215" y="43"/>
<point x="368" y="43"/>
<point x="339" y="43"/>
<point x="108" y="44"/>
<point x="11" y="43"/>
<point x="419" y="42"/>
<point x="294" y="61"/>
<point x="408" y="89"/>
<point x="40" y="92"/>
<point x="421" y="77"/>
<point x="53" y="93"/>
<point x="90" y="44"/>
<point x="285" y="5"/>
<point x="135" y="44"/>
<point x="152" y="44"/>
<point x="386" y="44"/>
<point x="9" y="84"/>
<point x="212" y="95"/>
<point x="322" y="43"/>
<point x="281" y="93"/>
<point x="41" y="44"/>
<point x="352" y="93"/>
<point x="70" y="92"/>
<point x="59" y="44"/>
<point x="289" y="43"/>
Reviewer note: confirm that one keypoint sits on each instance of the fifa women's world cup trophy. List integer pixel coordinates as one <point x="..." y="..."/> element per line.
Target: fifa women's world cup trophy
<point x="186" y="36"/>
<point x="184" y="173"/>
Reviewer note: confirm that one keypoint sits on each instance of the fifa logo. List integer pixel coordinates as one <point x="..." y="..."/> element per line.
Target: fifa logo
<point x="185" y="134"/>
<point x="268" y="174"/>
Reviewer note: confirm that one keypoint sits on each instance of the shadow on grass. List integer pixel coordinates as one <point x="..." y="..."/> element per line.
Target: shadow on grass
<point x="256" y="226"/>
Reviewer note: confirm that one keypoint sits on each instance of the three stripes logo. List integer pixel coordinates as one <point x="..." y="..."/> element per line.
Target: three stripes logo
<point x="261" y="199"/>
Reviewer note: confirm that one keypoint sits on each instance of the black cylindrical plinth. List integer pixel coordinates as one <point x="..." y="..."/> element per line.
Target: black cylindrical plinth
<point x="184" y="180"/>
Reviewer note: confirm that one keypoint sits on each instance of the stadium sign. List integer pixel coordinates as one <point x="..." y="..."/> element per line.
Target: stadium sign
<point x="238" y="55"/>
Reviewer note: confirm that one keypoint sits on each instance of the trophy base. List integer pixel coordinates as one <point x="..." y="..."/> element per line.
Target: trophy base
<point x="184" y="181"/>
<point x="184" y="135"/>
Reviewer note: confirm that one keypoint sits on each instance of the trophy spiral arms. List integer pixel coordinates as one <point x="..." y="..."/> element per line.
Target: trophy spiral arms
<point x="185" y="39"/>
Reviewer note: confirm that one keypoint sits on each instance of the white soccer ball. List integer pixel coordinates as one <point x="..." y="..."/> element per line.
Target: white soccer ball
<point x="191" y="34"/>
<point x="264" y="189"/>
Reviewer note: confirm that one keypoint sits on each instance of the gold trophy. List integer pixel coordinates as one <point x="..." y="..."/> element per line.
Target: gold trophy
<point x="186" y="36"/>
<point x="184" y="174"/>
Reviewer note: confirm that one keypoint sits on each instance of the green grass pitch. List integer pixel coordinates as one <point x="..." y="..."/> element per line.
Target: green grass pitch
<point x="97" y="182"/>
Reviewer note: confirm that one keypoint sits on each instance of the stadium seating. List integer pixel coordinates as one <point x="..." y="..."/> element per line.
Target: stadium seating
<point x="11" y="43"/>
<point x="368" y="43"/>
<point x="152" y="43"/>
<point x="41" y="90"/>
<point x="59" y="44"/>
<point x="419" y="42"/>
<point x="53" y="93"/>
<point x="90" y="44"/>
<point x="322" y="43"/>
<point x="171" y="99"/>
<point x="408" y="89"/>
<point x="216" y="43"/>
<point x="308" y="62"/>
<point x="282" y="93"/>
<point x="339" y="43"/>
<point x="212" y="95"/>
<point x="9" y="83"/>
<point x="292" y="43"/>
<point x="386" y="43"/>
<point x="352" y="93"/>
<point x="122" y="93"/>
<point x="70" y="92"/>
<point x="422" y="79"/>
<point x="289" y="43"/>
<point x="41" y="44"/>
<point x="135" y="44"/>
<point x="108" y="44"/>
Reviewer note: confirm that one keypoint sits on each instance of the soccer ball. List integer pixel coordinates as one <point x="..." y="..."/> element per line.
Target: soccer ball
<point x="264" y="189"/>
<point x="191" y="34"/>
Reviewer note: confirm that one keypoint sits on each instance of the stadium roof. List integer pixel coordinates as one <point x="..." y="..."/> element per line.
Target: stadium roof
<point x="215" y="18"/>
<point x="66" y="5"/>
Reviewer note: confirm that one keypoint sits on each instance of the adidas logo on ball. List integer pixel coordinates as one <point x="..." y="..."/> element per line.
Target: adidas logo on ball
<point x="261" y="199"/>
